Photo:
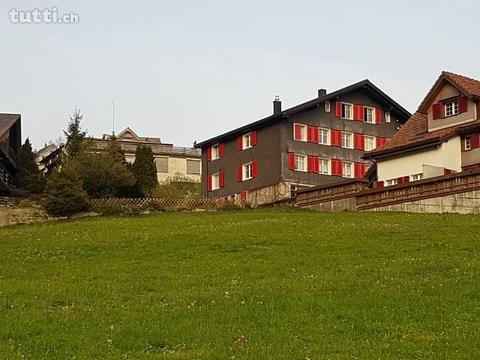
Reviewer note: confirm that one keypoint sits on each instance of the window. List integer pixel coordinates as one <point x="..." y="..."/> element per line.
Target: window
<point x="347" y="111"/>
<point x="370" y="143"/>
<point x="300" y="132"/>
<point x="215" y="151"/>
<point x="193" y="167"/>
<point x="301" y="162"/>
<point x="369" y="115"/>
<point x="468" y="143"/>
<point x="216" y="181"/>
<point x="391" y="182"/>
<point x="247" y="141"/>
<point x="387" y="117"/>
<point x="324" y="166"/>
<point x="162" y="164"/>
<point x="327" y="106"/>
<point x="347" y="140"/>
<point x="416" y="177"/>
<point x="451" y="108"/>
<point x="347" y="169"/>
<point x="324" y="136"/>
<point x="247" y="171"/>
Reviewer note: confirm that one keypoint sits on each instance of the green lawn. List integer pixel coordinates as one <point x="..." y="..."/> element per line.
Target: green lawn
<point x="295" y="284"/>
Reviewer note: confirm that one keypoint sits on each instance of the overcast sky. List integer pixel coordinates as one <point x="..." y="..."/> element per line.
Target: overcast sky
<point x="189" y="70"/>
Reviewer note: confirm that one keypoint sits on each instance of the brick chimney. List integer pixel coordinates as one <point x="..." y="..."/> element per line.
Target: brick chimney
<point x="277" y="105"/>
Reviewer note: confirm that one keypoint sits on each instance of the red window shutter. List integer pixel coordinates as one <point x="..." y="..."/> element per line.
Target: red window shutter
<point x="336" y="167"/>
<point x="240" y="173"/>
<point x="254" y="138"/>
<point x="406" y="179"/>
<point x="316" y="167"/>
<point x="358" y="112"/>
<point x="310" y="164"/>
<point x="437" y="111"/>
<point x="336" y="138"/>
<point x="221" y="179"/>
<point x="475" y="141"/>
<point x="312" y="134"/>
<point x="359" y="170"/>
<point x="221" y="149"/>
<point x="291" y="161"/>
<point x="380" y="184"/>
<point x="463" y="104"/>
<point x="358" y="141"/>
<point x="361" y="114"/>
<point x="240" y="143"/>
<point x="297" y="132"/>
<point x="309" y="133"/>
<point x="209" y="153"/>
<point x="209" y="183"/>
<point x="380" y="141"/>
<point x="254" y="169"/>
<point x="378" y="116"/>
<point x="338" y="109"/>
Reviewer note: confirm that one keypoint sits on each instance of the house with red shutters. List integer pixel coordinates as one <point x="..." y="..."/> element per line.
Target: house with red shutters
<point x="442" y="137"/>
<point x="317" y="142"/>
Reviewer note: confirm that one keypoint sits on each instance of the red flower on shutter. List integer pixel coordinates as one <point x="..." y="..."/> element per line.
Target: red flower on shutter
<point x="378" y="116"/>
<point x="240" y="143"/>
<point x="297" y="133"/>
<point x="291" y="161"/>
<point x="254" y="138"/>
<point x="209" y="153"/>
<point x="462" y="104"/>
<point x="221" y="150"/>
<point x="437" y="111"/>
<point x="254" y="168"/>
<point x="338" y="109"/>
<point x="221" y="180"/>
<point x="209" y="182"/>
<point x="240" y="173"/>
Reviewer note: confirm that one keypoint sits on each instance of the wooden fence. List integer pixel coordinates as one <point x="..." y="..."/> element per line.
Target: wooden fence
<point x="327" y="193"/>
<point x="158" y="203"/>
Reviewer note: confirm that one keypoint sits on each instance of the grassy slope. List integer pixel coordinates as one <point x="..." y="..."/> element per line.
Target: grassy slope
<point x="296" y="284"/>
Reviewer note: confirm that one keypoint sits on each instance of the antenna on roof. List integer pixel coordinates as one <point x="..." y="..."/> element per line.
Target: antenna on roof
<point x="113" y="118"/>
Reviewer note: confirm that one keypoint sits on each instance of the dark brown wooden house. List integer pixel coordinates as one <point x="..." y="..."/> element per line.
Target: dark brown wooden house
<point x="318" y="142"/>
<point x="10" y="144"/>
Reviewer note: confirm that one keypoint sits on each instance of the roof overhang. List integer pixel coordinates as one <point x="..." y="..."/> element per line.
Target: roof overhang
<point x="408" y="148"/>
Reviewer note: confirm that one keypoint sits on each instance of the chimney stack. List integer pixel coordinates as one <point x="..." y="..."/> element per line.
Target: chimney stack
<point x="322" y="92"/>
<point x="277" y="105"/>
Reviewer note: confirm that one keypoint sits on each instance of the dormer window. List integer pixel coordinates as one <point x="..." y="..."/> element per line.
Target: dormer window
<point x="451" y="108"/>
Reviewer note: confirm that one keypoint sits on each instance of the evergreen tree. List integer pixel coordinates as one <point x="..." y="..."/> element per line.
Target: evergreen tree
<point x="29" y="176"/>
<point x="74" y="134"/>
<point x="64" y="194"/>
<point x="115" y="150"/>
<point x="145" y="171"/>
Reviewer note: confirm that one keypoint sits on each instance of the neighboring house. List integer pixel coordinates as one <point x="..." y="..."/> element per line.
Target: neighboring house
<point x="442" y="137"/>
<point x="318" y="142"/>
<point x="10" y="145"/>
<point x="49" y="157"/>
<point x="171" y="161"/>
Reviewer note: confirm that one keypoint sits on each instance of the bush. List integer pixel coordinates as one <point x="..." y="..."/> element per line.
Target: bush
<point x="65" y="195"/>
<point x="177" y="186"/>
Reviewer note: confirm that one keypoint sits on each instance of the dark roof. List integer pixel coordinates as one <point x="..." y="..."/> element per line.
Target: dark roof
<point x="7" y="121"/>
<point x="401" y="113"/>
<point x="414" y="135"/>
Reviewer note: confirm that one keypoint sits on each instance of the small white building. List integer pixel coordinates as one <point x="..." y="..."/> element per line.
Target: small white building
<point x="442" y="137"/>
<point x="171" y="161"/>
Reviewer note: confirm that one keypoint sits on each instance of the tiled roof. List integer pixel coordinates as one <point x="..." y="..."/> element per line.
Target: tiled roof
<point x="415" y="132"/>
<point x="7" y="121"/>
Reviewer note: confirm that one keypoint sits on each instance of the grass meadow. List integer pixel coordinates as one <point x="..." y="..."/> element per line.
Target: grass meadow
<point x="259" y="284"/>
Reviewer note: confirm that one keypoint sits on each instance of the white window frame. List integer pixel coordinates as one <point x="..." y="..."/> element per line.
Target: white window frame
<point x="350" y="167"/>
<point x="344" y="105"/>
<point x="247" y="141"/>
<point x="321" y="171"/>
<point x="391" y="182"/>
<point x="327" y="106"/>
<point x="247" y="171"/>
<point x="304" y="157"/>
<point x="374" y="143"/>
<point x="387" y="117"/>
<point x="215" y="181"/>
<point x="416" y="177"/>
<point x="372" y="117"/>
<point x="344" y="134"/>
<point x="451" y="108"/>
<point x="303" y="134"/>
<point x="320" y="137"/>
<point x="467" y="143"/>
<point x="215" y="152"/>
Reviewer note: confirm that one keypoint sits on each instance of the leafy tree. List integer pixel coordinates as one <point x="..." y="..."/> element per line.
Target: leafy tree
<point x="64" y="194"/>
<point x="145" y="171"/>
<point x="29" y="176"/>
<point x="74" y="134"/>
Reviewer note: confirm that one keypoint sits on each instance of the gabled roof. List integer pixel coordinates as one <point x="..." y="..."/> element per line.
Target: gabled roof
<point x="414" y="135"/>
<point x="136" y="138"/>
<point x="7" y="121"/>
<point x="401" y="113"/>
